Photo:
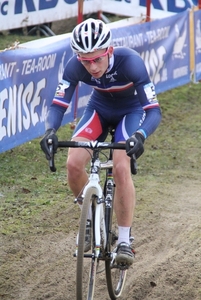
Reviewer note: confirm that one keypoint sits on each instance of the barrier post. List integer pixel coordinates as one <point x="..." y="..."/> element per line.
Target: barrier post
<point x="80" y="11"/>
<point x="148" y="14"/>
<point x="192" y="48"/>
<point x="79" y="20"/>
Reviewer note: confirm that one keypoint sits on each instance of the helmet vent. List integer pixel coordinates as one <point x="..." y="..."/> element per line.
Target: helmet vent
<point x="90" y="35"/>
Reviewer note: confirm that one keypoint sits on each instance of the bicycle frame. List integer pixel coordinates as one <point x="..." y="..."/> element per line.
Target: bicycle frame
<point x="101" y="201"/>
<point x="94" y="181"/>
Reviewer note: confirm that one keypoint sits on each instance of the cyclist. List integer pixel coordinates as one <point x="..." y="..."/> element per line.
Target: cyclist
<point x="124" y="97"/>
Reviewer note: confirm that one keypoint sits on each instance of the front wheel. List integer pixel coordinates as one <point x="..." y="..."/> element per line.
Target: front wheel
<point x="86" y="263"/>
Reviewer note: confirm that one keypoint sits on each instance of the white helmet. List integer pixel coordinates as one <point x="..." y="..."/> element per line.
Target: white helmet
<point x="90" y="36"/>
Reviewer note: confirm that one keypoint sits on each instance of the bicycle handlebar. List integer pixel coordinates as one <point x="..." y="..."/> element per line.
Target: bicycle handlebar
<point x="89" y="145"/>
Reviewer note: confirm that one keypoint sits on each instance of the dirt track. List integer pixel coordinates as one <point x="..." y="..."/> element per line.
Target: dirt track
<point x="167" y="264"/>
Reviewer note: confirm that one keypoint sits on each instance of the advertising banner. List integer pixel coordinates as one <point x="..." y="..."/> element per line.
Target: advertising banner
<point x="29" y="75"/>
<point x="22" y="13"/>
<point x="197" y="39"/>
<point x="28" y="80"/>
<point x="164" y="46"/>
<point x="138" y="8"/>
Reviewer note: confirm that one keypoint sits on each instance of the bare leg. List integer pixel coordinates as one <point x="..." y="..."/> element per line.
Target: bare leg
<point x="124" y="200"/>
<point x="76" y="164"/>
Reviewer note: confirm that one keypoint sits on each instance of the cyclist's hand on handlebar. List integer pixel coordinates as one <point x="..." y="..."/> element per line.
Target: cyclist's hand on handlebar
<point x="49" y="135"/>
<point x="134" y="145"/>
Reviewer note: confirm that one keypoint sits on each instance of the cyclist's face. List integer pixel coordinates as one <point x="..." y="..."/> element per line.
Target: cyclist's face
<point x="96" y="63"/>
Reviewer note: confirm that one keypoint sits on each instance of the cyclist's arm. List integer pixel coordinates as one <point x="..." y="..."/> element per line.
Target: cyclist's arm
<point x="62" y="97"/>
<point x="151" y="122"/>
<point x="54" y="117"/>
<point x="146" y="94"/>
<point x="149" y="102"/>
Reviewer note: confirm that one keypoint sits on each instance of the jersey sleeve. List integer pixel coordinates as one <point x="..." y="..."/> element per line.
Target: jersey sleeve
<point x="146" y="93"/>
<point x="63" y="96"/>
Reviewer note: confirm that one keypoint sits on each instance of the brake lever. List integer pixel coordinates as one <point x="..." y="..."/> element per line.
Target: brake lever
<point x="133" y="161"/>
<point x="133" y="164"/>
<point x="51" y="161"/>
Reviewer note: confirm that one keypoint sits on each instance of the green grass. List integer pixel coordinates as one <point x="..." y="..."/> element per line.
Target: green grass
<point x="33" y="199"/>
<point x="176" y="139"/>
<point x="8" y="41"/>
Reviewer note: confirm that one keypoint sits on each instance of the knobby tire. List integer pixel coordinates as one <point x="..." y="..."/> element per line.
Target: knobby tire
<point x="86" y="266"/>
<point x="115" y="277"/>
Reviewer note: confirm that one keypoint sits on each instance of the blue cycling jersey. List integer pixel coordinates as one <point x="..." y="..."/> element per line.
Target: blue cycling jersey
<point x="123" y="89"/>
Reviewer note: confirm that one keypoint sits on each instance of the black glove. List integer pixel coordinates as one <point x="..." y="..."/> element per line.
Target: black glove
<point x="134" y="145"/>
<point x="49" y="134"/>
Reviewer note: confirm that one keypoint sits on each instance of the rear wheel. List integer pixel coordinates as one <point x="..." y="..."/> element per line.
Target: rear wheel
<point x="115" y="274"/>
<point x="86" y="262"/>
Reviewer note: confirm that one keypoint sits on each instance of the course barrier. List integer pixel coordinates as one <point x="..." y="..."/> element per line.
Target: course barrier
<point x="25" y="13"/>
<point x="29" y="75"/>
<point x="138" y="8"/>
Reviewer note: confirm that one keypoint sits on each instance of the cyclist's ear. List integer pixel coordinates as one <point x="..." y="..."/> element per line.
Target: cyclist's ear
<point x="110" y="51"/>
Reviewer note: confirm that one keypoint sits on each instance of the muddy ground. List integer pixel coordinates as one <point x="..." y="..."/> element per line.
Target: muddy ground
<point x="167" y="243"/>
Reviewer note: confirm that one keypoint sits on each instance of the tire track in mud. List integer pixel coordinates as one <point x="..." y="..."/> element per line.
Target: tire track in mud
<point x="167" y="265"/>
<point x="168" y="262"/>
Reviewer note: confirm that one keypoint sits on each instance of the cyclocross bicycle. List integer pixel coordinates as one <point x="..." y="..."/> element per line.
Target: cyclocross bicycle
<point x="98" y="199"/>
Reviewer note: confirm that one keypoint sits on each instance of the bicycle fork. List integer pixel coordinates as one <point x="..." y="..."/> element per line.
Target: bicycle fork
<point x="97" y="202"/>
